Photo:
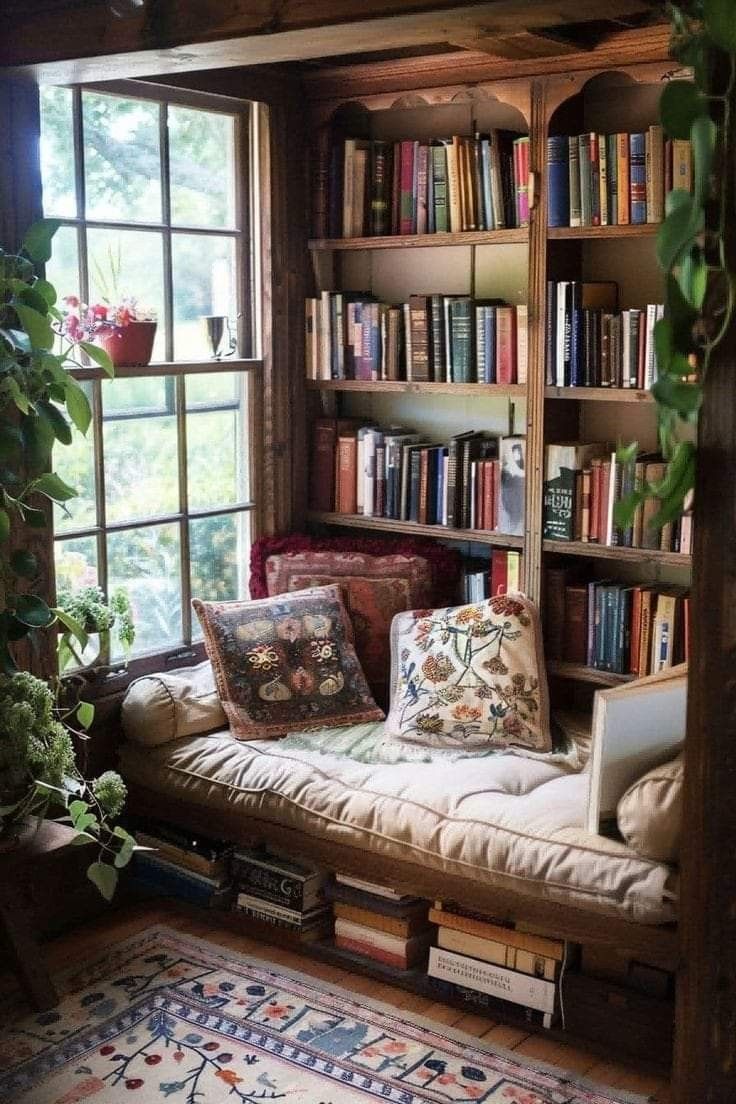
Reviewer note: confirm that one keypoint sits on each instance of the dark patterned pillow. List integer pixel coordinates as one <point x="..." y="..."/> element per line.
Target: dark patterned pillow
<point x="286" y="664"/>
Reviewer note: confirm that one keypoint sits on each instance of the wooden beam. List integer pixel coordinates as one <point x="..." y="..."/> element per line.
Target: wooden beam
<point x="84" y="42"/>
<point x="522" y="45"/>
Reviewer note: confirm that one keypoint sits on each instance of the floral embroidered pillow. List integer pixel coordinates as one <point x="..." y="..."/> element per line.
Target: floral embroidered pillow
<point x="470" y="677"/>
<point x="286" y="664"/>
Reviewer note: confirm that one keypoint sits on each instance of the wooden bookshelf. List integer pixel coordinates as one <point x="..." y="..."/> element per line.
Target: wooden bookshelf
<point x="513" y="236"/>
<point x="587" y="233"/>
<point x="599" y="394"/>
<point x="411" y="387"/>
<point x="591" y="550"/>
<point x="390" y="525"/>
<point x="576" y="672"/>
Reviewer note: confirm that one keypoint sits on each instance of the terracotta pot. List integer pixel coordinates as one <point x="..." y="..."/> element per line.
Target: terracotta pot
<point x="130" y="346"/>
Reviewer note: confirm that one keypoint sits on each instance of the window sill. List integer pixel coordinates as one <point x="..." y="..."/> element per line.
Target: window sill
<point x="173" y="368"/>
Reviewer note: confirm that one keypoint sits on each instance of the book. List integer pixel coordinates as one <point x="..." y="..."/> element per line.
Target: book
<point x="558" y="181"/>
<point x="562" y="463"/>
<point x="313" y="924"/>
<point x="404" y="908"/>
<point x="655" y="173"/>
<point x="498" y="953"/>
<point x="511" y="506"/>
<point x="486" y="977"/>
<point x="171" y="880"/>
<point x="401" y="926"/>
<point x="322" y="467"/>
<point x="447" y="916"/>
<point x="372" y="887"/>
<point x="486" y="1003"/>
<point x="215" y="868"/>
<point x="346" y="501"/>
<point x="623" y="197"/>
<point x="573" y="153"/>
<point x="637" y="179"/>
<point x="390" y="949"/>
<point x="280" y="881"/>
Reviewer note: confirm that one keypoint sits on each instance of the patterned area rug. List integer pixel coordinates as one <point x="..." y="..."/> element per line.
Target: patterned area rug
<point x="163" y="1017"/>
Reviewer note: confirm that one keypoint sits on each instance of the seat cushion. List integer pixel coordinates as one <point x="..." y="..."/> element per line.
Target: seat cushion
<point x="507" y="821"/>
<point x="650" y="812"/>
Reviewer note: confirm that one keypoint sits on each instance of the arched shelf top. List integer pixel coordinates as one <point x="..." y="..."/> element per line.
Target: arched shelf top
<point x="564" y="89"/>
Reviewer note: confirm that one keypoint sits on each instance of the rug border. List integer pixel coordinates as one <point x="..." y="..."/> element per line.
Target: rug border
<point x="382" y="1008"/>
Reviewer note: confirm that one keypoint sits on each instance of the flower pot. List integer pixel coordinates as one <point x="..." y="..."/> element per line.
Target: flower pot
<point x="129" y="346"/>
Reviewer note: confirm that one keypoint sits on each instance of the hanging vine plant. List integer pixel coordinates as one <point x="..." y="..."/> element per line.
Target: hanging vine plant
<point x="691" y="249"/>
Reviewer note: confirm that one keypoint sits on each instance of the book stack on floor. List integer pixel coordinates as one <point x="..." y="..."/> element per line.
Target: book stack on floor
<point x="430" y="338"/>
<point x="616" y="627"/>
<point x="280" y="895"/>
<point x="500" y="574"/>
<point x="377" y="922"/>
<point x="369" y="188"/>
<point x="495" y="967"/>
<point x="591" y="344"/>
<point x="475" y="481"/>
<point x="180" y="864"/>
<point x="614" y="179"/>
<point x="583" y="482"/>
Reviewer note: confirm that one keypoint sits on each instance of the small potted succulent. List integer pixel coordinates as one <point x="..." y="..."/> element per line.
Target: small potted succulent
<point x="96" y="615"/>
<point x="124" y="329"/>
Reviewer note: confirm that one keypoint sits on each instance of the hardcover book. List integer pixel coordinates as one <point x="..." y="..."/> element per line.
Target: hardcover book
<point x="498" y="981"/>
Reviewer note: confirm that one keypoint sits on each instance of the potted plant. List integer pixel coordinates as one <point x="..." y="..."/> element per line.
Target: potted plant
<point x="97" y="616"/>
<point x="124" y="329"/>
<point x="40" y="403"/>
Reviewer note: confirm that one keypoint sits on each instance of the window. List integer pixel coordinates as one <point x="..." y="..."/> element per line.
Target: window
<point x="152" y="202"/>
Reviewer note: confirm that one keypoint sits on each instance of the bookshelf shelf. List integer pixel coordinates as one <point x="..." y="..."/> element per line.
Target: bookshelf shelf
<point x="616" y="552"/>
<point x="360" y="521"/>
<point x="579" y="673"/>
<point x="418" y="388"/>
<point x="600" y="394"/>
<point x="422" y="241"/>
<point x="637" y="230"/>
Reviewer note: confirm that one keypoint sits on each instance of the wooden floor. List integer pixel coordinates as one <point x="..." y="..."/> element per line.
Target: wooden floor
<point x="113" y="928"/>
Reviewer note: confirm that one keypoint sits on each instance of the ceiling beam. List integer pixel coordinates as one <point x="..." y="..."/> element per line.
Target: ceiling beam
<point x="522" y="45"/>
<point x="81" y="41"/>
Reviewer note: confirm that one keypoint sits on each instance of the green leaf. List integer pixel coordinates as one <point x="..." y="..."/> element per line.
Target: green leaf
<point x="37" y="242"/>
<point x="18" y="396"/>
<point x="683" y="397"/>
<point x="11" y="442"/>
<point x="99" y="356"/>
<point x="36" y="325"/>
<point x="54" y="487"/>
<point x="4" y="524"/>
<point x="679" y="104"/>
<point x="24" y="563"/>
<point x="626" y="453"/>
<point x="78" y="406"/>
<point x="692" y="278"/>
<point x="32" y="611"/>
<point x="73" y="626"/>
<point x="126" y="852"/>
<point x="720" y="23"/>
<point x="47" y="290"/>
<point x="57" y="421"/>
<point x="104" y="877"/>
<point x="33" y="299"/>
<point x="85" y="714"/>
<point x="77" y="809"/>
<point x="683" y="223"/>
<point x="703" y="140"/>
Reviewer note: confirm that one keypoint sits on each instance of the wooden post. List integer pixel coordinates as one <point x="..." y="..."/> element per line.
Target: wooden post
<point x="705" y="1046"/>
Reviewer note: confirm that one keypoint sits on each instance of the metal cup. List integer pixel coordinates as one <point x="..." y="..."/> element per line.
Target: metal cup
<point x="219" y="336"/>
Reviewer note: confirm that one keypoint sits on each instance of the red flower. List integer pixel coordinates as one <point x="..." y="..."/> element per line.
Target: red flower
<point x="98" y="312"/>
<point x="71" y="301"/>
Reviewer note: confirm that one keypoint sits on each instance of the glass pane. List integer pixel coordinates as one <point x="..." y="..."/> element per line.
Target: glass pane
<point x="57" y="152"/>
<point x="146" y="564"/>
<point x="226" y="482"/>
<point x="76" y="465"/>
<point x="76" y="563"/>
<point x="204" y="284"/>
<point x="63" y="268"/>
<point x="122" y="167"/>
<point x="201" y="160"/>
<point x="144" y="393"/>
<point x="213" y="390"/>
<point x="219" y="557"/>
<point x="141" y="464"/>
<point x="128" y="264"/>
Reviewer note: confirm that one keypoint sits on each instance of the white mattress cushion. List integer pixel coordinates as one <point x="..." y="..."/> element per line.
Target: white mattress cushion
<point x="507" y="820"/>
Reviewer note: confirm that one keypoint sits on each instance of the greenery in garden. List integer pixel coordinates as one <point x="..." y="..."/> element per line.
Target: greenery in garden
<point x="90" y="609"/>
<point x="691" y="248"/>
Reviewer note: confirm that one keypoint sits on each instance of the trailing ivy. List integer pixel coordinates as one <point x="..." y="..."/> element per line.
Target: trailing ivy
<point x="691" y="248"/>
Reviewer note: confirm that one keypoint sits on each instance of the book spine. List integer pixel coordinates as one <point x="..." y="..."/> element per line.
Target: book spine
<point x="505" y="344"/>
<point x="380" y="224"/>
<point x="453" y="185"/>
<point x="421" y="196"/>
<point x="419" y="323"/>
<point x="573" y="156"/>
<point x="612" y="167"/>
<point x="439" y="188"/>
<point x="489" y="1005"/>
<point x="347" y="459"/>
<point x="550" y="334"/>
<point x="321" y="184"/>
<point x="637" y="179"/>
<point x="322" y="474"/>
<point x="486" y="977"/>
<point x="595" y="169"/>
<point x="407" y="211"/>
<point x="462" y="340"/>
<point x="576" y="624"/>
<point x="522" y="183"/>
<point x="622" y="176"/>
<point x="603" y="178"/>
<point x="586" y="208"/>
<point x="558" y="181"/>
<point x="522" y="343"/>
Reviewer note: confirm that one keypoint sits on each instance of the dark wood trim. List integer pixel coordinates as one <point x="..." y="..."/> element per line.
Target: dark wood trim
<point x="655" y="944"/>
<point x="389" y="525"/>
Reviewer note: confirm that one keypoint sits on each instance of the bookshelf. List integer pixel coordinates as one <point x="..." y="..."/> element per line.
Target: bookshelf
<point x="515" y="265"/>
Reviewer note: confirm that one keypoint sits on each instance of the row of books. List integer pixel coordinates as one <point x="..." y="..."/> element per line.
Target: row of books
<point x="615" y="627"/>
<point x="614" y="179"/>
<point x="583" y="482"/>
<point x="274" y="892"/>
<point x="589" y="343"/>
<point x="180" y="864"/>
<point x="372" y="188"/>
<point x="440" y="338"/>
<point x="475" y="481"/>
<point x="483" y="579"/>
<point x="378" y="922"/>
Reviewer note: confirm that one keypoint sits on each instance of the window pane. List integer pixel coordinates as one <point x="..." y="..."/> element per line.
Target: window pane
<point x="76" y="563"/>
<point x="141" y="465"/>
<point x="144" y="393"/>
<point x="57" y="152"/>
<point x="63" y="268"/>
<point x="146" y="564"/>
<point x="122" y="166"/>
<point x="219" y="557"/>
<point x="223" y="483"/>
<point x="201" y="160"/>
<point x="129" y="264"/>
<point x="204" y="284"/>
<point x="210" y="389"/>
<point x="76" y="466"/>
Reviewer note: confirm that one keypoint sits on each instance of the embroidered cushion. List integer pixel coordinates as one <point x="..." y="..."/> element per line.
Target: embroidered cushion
<point x="375" y="589"/>
<point x="285" y="664"/>
<point x="470" y="676"/>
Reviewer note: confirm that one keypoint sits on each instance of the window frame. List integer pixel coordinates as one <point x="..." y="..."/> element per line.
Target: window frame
<point x="249" y="237"/>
